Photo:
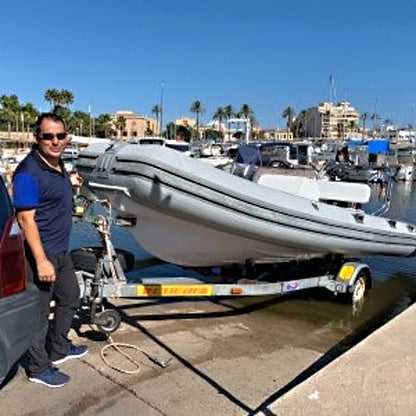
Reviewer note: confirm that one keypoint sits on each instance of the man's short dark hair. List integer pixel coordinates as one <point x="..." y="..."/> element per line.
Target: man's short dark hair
<point x="48" y="116"/>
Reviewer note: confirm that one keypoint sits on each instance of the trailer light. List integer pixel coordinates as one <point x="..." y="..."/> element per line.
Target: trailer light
<point x="79" y="210"/>
<point x="236" y="291"/>
<point x="346" y="272"/>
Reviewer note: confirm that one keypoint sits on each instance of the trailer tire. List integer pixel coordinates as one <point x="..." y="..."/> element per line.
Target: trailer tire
<point x="356" y="291"/>
<point x="108" y="321"/>
<point x="359" y="288"/>
<point x="86" y="258"/>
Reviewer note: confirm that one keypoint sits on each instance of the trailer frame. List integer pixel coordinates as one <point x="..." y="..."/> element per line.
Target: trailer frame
<point x="349" y="280"/>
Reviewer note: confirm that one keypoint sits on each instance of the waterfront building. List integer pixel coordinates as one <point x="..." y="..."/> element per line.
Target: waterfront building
<point x="278" y="134"/>
<point x="134" y="125"/>
<point x="401" y="135"/>
<point x="331" y="121"/>
<point x="186" y="122"/>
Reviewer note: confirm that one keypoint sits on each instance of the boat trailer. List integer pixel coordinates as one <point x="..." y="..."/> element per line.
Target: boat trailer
<point x="348" y="280"/>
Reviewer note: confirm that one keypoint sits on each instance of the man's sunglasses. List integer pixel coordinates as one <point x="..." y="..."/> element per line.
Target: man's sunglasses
<point x="50" y="136"/>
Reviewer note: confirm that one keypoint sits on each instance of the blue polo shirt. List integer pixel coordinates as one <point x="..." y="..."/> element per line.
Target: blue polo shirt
<point x="38" y="186"/>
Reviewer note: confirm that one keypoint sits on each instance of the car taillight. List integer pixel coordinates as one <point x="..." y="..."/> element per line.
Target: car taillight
<point x="12" y="260"/>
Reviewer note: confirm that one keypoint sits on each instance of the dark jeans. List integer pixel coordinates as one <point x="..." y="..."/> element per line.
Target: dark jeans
<point x="50" y="342"/>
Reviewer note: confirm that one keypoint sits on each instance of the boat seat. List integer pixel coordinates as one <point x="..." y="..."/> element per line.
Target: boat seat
<point x="318" y="189"/>
<point x="344" y="191"/>
<point x="296" y="185"/>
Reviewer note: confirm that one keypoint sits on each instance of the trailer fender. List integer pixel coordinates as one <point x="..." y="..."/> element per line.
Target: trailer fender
<point x="350" y="271"/>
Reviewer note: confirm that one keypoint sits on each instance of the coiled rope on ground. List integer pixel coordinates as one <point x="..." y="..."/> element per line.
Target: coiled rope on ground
<point x="118" y="346"/>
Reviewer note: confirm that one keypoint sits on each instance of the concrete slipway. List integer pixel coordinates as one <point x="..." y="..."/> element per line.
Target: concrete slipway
<point x="230" y="359"/>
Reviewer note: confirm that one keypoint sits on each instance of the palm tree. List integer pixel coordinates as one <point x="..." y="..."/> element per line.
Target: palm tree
<point x="52" y="97"/>
<point x="219" y="115"/>
<point x="197" y="108"/>
<point x="120" y="125"/>
<point x="58" y="98"/>
<point x="289" y="114"/>
<point x="301" y="123"/>
<point x="248" y="114"/>
<point x="66" y="98"/>
<point x="157" y="110"/>
<point x="29" y="115"/>
<point x="246" y="111"/>
<point x="229" y="112"/>
<point x="103" y="125"/>
<point x="79" y="122"/>
<point x="10" y="108"/>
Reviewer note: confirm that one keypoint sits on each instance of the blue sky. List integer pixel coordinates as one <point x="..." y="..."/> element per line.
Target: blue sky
<point x="115" y="55"/>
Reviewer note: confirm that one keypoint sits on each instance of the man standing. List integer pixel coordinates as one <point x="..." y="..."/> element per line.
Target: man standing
<point x="42" y="193"/>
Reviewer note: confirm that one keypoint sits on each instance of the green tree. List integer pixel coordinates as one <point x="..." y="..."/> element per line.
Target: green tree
<point x="171" y="131"/>
<point x="183" y="133"/>
<point x="248" y="114"/>
<point x="289" y="114"/>
<point x="66" y="98"/>
<point x="51" y="96"/>
<point x="29" y="115"/>
<point x="148" y="131"/>
<point x="10" y="109"/>
<point x="58" y="98"/>
<point x="299" y="124"/>
<point x="79" y="123"/>
<point x="120" y="125"/>
<point x="212" y="134"/>
<point x="65" y="113"/>
<point x="246" y="111"/>
<point x="219" y="115"/>
<point x="174" y="132"/>
<point x="197" y="108"/>
<point x="103" y="126"/>
<point x="157" y="110"/>
<point x="229" y="112"/>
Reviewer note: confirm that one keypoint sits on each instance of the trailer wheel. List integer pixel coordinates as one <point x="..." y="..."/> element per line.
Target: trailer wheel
<point x="86" y="258"/>
<point x="108" y="321"/>
<point x="358" y="289"/>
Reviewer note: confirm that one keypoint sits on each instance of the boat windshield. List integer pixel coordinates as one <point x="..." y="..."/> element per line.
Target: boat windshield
<point x="150" y="140"/>
<point x="181" y="147"/>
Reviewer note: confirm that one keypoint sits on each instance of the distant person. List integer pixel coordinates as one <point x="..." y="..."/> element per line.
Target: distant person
<point x="343" y="156"/>
<point x="336" y="170"/>
<point x="42" y="195"/>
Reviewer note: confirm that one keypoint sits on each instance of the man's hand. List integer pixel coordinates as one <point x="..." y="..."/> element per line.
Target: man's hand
<point x="46" y="271"/>
<point x="76" y="180"/>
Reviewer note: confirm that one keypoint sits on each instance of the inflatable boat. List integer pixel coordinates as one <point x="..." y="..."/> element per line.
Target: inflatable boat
<point x="192" y="214"/>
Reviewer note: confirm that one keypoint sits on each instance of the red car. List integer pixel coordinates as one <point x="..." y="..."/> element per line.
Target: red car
<point x="19" y="307"/>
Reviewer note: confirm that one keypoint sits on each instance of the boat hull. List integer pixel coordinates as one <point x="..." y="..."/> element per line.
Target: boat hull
<point x="192" y="214"/>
